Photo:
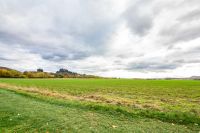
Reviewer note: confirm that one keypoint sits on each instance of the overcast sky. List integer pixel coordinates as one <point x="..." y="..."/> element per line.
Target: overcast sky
<point x="118" y="38"/>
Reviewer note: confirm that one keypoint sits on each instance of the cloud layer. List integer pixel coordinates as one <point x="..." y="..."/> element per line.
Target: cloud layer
<point x="129" y="38"/>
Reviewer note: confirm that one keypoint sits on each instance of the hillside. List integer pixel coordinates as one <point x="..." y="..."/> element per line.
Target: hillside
<point x="10" y="73"/>
<point x="5" y="68"/>
<point x="62" y="73"/>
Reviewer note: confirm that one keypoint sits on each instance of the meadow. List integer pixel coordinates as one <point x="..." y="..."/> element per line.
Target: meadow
<point x="99" y="105"/>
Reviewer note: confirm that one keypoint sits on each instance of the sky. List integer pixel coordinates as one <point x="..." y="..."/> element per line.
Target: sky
<point x="110" y="38"/>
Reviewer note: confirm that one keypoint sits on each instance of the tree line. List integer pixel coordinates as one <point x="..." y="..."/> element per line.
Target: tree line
<point x="62" y="73"/>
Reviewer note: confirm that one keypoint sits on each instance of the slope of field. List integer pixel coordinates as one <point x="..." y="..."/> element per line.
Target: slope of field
<point x="101" y="105"/>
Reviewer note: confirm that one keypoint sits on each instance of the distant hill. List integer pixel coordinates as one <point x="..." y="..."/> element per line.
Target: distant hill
<point x="195" y="77"/>
<point x="5" y="68"/>
<point x="10" y="73"/>
<point x="62" y="73"/>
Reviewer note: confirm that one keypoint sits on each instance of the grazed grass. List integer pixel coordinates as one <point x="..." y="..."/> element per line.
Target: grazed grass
<point x="174" y="101"/>
<point x="41" y="114"/>
<point x="165" y="95"/>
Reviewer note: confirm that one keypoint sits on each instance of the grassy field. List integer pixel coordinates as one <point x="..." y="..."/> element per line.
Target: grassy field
<point x="99" y="105"/>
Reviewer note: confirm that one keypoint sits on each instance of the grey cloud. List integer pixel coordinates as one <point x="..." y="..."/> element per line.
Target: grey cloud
<point x="46" y="50"/>
<point x="151" y="66"/>
<point x="178" y="33"/>
<point x="54" y="34"/>
<point x="138" y="19"/>
<point x="185" y="28"/>
<point x="87" y="28"/>
<point x="171" y="61"/>
<point x="64" y="56"/>
<point x="5" y="59"/>
<point x="10" y="38"/>
<point x="193" y="15"/>
<point x="94" y="69"/>
<point x="187" y="61"/>
<point x="185" y="56"/>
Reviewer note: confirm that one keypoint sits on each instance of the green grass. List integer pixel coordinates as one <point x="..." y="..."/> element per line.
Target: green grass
<point x="40" y="115"/>
<point x="130" y="105"/>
